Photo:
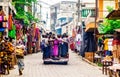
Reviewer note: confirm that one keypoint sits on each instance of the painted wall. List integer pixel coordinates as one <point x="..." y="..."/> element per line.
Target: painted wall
<point x="102" y="4"/>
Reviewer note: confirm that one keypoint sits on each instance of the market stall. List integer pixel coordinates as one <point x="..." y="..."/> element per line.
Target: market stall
<point x="89" y="43"/>
<point x="111" y="25"/>
<point x="6" y="47"/>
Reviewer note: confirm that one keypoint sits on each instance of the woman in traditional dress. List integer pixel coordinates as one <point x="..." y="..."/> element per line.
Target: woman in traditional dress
<point x="60" y="45"/>
<point x="50" y="41"/>
<point x="64" y="46"/>
<point x="55" y="47"/>
<point x="72" y="44"/>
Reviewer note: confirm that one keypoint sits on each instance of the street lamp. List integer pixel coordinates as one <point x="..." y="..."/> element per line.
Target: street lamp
<point x="79" y="21"/>
<point x="78" y="6"/>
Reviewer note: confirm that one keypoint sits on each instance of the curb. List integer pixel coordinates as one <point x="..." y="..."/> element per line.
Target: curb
<point x="91" y="63"/>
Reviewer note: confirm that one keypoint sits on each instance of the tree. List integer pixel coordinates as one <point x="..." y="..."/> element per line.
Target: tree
<point x="21" y="13"/>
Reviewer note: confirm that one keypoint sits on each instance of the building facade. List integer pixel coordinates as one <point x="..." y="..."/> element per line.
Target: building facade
<point x="61" y="14"/>
<point x="54" y="10"/>
<point x="87" y="15"/>
<point x="102" y="7"/>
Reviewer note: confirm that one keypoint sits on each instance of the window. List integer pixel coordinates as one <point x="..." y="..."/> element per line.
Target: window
<point x="93" y="12"/>
<point x="85" y="12"/>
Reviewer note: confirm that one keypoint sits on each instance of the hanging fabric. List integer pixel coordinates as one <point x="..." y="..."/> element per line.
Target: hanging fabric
<point x="10" y="22"/>
<point x="4" y="24"/>
<point x="18" y="26"/>
<point x="1" y="25"/>
<point x="2" y="29"/>
<point x="4" y="18"/>
<point x="37" y="33"/>
<point x="1" y="19"/>
<point x="12" y="33"/>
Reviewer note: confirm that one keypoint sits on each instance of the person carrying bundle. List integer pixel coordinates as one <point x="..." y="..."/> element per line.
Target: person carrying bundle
<point x="20" y="57"/>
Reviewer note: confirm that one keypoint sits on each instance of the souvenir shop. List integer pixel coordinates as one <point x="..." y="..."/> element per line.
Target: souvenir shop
<point x="114" y="67"/>
<point x="6" y="47"/>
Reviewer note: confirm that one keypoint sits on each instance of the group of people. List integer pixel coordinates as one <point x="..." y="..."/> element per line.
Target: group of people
<point x="54" y="46"/>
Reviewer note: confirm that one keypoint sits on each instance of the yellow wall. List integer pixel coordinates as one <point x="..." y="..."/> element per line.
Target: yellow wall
<point x="116" y="4"/>
<point x="102" y="6"/>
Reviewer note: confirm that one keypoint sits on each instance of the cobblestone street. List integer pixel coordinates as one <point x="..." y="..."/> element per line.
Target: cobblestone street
<point x="34" y="67"/>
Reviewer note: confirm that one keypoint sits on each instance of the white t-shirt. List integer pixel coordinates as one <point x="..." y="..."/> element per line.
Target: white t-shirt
<point x="78" y="37"/>
<point x="110" y="47"/>
<point x="46" y="41"/>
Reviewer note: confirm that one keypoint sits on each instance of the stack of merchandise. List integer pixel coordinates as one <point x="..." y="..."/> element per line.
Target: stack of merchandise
<point x="20" y="51"/>
<point x="6" y="53"/>
<point x="108" y="58"/>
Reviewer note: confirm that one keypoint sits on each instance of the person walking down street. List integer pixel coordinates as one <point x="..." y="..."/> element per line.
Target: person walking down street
<point x="78" y="45"/>
<point x="72" y="44"/>
<point x="78" y="42"/>
<point x="20" y="57"/>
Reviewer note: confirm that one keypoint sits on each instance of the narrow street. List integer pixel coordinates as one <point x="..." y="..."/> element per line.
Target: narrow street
<point x="34" y="67"/>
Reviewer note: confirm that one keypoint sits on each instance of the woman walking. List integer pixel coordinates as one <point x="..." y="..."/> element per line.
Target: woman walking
<point x="20" y="57"/>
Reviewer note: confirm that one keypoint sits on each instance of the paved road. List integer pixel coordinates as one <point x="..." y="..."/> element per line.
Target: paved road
<point x="34" y="67"/>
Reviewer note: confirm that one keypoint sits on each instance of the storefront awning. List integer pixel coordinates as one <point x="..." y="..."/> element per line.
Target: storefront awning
<point x="90" y="27"/>
<point x="115" y="14"/>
